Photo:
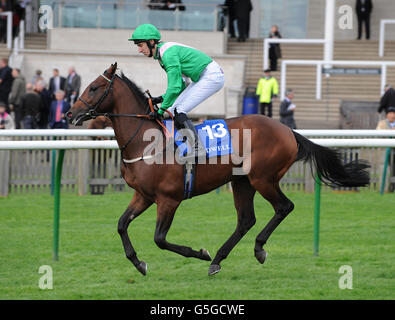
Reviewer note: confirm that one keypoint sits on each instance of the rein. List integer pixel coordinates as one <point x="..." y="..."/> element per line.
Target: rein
<point x="92" y="113"/>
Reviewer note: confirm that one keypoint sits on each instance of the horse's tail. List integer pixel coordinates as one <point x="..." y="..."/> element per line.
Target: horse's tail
<point x="329" y="166"/>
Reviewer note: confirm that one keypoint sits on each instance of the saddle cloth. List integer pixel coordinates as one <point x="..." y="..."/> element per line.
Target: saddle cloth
<point x="213" y="134"/>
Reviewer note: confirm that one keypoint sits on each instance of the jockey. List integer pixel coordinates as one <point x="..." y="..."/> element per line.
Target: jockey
<point x="192" y="77"/>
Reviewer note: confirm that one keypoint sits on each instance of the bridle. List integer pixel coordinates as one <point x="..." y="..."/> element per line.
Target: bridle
<point x="92" y="113"/>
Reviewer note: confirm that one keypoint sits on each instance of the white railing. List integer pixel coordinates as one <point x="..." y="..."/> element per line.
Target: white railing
<point x="112" y="144"/>
<point x="8" y="14"/>
<point x="320" y="63"/>
<point x="268" y="41"/>
<point x="357" y="133"/>
<point x="383" y="22"/>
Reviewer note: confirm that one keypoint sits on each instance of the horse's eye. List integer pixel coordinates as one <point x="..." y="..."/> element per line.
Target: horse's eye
<point x="92" y="89"/>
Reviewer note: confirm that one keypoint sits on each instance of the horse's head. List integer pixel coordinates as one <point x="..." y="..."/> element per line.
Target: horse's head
<point x="96" y="98"/>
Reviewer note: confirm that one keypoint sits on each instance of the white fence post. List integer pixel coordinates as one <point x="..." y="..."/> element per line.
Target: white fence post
<point x="329" y="30"/>
<point x="318" y="81"/>
<point x="383" y="22"/>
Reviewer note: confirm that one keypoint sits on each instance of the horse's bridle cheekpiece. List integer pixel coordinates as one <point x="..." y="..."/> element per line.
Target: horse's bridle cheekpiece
<point x="92" y="108"/>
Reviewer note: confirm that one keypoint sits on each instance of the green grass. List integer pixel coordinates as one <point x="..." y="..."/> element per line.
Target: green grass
<point x="357" y="229"/>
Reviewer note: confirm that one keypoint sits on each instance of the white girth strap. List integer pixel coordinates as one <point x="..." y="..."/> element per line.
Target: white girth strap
<point x="138" y="159"/>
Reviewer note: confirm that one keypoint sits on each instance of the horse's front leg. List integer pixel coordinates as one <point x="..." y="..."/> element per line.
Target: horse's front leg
<point x="137" y="206"/>
<point x="165" y="214"/>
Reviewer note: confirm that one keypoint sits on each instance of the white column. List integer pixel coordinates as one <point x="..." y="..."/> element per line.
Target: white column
<point x="283" y="85"/>
<point x="329" y="30"/>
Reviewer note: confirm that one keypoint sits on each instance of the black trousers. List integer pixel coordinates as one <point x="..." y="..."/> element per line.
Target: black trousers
<point x="18" y="116"/>
<point x="242" y="28"/>
<point x="268" y="107"/>
<point x="364" y="19"/>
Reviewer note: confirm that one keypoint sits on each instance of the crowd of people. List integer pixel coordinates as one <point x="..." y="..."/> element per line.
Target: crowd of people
<point x="34" y="105"/>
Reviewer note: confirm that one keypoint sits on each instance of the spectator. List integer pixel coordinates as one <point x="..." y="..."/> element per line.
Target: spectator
<point x="388" y="99"/>
<point x="242" y="14"/>
<point x="46" y="99"/>
<point x="31" y="105"/>
<point x="57" y="112"/>
<point x="22" y="8"/>
<point x="156" y="5"/>
<point x="230" y="12"/>
<point x="5" y="81"/>
<point x="6" y="121"/>
<point x="4" y="6"/>
<point x="267" y="89"/>
<point x="37" y="77"/>
<point x="56" y="83"/>
<point x="287" y="109"/>
<point x="389" y="121"/>
<point x="363" y="9"/>
<point x="171" y="5"/>
<point x="18" y="89"/>
<point x="17" y="13"/>
<point x="72" y="87"/>
<point x="274" y="48"/>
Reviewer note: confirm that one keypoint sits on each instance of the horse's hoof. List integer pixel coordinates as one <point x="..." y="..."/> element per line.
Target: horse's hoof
<point x="214" y="268"/>
<point x="205" y="255"/>
<point x="261" y="256"/>
<point x="142" y="267"/>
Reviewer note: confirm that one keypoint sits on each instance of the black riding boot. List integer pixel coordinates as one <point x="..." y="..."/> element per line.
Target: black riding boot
<point x="185" y="123"/>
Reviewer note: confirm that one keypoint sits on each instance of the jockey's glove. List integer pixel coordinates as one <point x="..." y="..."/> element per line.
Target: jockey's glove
<point x="157" y="100"/>
<point x="154" y="115"/>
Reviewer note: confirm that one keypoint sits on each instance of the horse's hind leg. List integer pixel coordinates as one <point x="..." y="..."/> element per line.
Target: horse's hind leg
<point x="165" y="214"/>
<point x="243" y="194"/>
<point x="282" y="207"/>
<point x="137" y="206"/>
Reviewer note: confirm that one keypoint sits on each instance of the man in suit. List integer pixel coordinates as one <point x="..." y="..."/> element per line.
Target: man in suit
<point x="56" y="83"/>
<point x="230" y="12"/>
<point x="18" y="89"/>
<point x="6" y="80"/>
<point x="73" y="84"/>
<point x="46" y="99"/>
<point x="31" y="105"/>
<point x="242" y="14"/>
<point x="363" y="9"/>
<point x="287" y="109"/>
<point x="388" y="99"/>
<point x="57" y="112"/>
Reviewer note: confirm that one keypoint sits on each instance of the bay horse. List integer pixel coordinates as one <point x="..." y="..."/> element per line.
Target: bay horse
<point x="273" y="149"/>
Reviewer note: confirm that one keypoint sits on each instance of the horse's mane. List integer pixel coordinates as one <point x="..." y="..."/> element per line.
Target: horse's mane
<point x="134" y="88"/>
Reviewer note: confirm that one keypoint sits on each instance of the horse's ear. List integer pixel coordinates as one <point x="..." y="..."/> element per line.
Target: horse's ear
<point x="113" y="68"/>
